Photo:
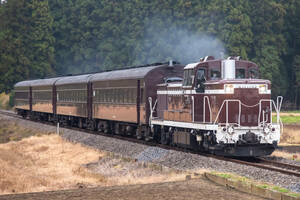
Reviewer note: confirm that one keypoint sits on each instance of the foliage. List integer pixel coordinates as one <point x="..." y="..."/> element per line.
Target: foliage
<point x="11" y="102"/>
<point x="40" y="38"/>
<point x="26" y="40"/>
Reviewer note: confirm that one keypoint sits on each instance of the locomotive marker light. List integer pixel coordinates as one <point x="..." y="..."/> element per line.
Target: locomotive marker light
<point x="229" y="89"/>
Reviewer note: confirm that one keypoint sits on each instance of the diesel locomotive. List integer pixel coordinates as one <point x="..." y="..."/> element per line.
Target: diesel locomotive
<point x="214" y="105"/>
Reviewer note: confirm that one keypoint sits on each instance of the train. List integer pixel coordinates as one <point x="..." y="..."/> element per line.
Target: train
<point x="218" y="106"/>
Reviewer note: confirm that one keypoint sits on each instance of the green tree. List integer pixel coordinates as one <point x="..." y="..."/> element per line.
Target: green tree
<point x="26" y="42"/>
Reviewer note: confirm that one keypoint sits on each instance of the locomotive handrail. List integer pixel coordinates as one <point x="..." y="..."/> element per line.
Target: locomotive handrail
<point x="210" y="116"/>
<point x="259" y="114"/>
<point x="226" y="101"/>
<point x="151" y="110"/>
<point x="276" y="107"/>
<point x="279" y="103"/>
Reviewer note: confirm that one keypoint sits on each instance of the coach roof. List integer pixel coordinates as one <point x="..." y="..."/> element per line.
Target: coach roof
<point x="44" y="82"/>
<point x="73" y="79"/>
<point x="134" y="73"/>
<point x="23" y="84"/>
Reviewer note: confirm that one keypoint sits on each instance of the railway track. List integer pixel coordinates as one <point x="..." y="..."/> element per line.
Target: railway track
<point x="262" y="163"/>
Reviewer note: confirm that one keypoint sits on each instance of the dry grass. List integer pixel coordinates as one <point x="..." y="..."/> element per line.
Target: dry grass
<point x="286" y="155"/>
<point x="123" y="171"/>
<point x="45" y="163"/>
<point x="291" y="134"/>
<point x="10" y="131"/>
<point x="4" y="99"/>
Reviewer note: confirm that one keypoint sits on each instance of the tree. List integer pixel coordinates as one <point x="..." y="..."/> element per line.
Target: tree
<point x="26" y="42"/>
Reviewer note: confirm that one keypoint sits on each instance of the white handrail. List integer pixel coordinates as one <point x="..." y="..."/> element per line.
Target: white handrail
<point x="204" y="112"/>
<point x="193" y="116"/>
<point x="226" y="101"/>
<point x="151" y="110"/>
<point x="264" y="120"/>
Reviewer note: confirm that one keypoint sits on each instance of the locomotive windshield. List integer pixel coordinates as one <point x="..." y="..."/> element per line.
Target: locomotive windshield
<point x="253" y="73"/>
<point x="188" y="77"/>
<point x="240" y="73"/>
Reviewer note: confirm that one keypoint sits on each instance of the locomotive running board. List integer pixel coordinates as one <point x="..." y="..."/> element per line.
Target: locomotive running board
<point x="194" y="125"/>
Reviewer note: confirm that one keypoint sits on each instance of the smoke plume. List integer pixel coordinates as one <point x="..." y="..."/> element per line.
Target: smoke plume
<point x="172" y="43"/>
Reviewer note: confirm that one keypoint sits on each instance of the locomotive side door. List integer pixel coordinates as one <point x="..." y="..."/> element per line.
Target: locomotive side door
<point x="200" y="79"/>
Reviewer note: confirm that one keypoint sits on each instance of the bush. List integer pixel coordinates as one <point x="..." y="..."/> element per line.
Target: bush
<point x="11" y="102"/>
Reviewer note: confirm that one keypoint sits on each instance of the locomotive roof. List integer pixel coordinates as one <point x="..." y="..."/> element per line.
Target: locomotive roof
<point x="73" y="79"/>
<point x="193" y="65"/>
<point x="133" y="73"/>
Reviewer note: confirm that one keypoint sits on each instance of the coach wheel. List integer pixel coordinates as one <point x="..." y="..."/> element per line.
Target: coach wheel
<point x="165" y="137"/>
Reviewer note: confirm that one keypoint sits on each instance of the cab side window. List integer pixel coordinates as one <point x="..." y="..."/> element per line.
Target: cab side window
<point x="200" y="80"/>
<point x="253" y="73"/>
<point x="215" y="74"/>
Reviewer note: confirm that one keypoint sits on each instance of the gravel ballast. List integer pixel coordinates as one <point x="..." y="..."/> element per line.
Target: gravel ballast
<point x="169" y="158"/>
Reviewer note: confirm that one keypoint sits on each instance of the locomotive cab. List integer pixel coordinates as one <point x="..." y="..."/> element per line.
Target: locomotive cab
<point x="220" y="106"/>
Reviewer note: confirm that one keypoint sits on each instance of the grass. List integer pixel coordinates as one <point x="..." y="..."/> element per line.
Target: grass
<point x="290" y="111"/>
<point x="288" y="119"/>
<point x="290" y="135"/>
<point x="45" y="163"/>
<point x="10" y="131"/>
<point x="287" y="155"/>
<point x="248" y="181"/>
<point x="280" y="189"/>
<point x="31" y="161"/>
<point x="4" y="101"/>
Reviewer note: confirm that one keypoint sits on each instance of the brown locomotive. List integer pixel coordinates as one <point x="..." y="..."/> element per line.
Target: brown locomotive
<point x="219" y="106"/>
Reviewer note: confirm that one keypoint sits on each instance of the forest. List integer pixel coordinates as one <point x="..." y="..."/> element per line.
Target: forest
<point x="46" y="38"/>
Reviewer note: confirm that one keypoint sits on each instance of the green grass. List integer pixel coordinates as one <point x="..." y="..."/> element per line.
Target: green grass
<point x="248" y="181"/>
<point x="290" y="111"/>
<point x="288" y="119"/>
<point x="280" y="189"/>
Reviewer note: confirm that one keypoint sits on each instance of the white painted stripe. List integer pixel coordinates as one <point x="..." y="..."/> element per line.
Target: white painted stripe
<point x="174" y="85"/>
<point x="170" y="92"/>
<point x="219" y="91"/>
<point x="185" y="124"/>
<point x="216" y="91"/>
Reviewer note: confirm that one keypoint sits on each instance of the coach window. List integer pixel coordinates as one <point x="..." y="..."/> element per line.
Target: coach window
<point x="240" y="73"/>
<point x="142" y="95"/>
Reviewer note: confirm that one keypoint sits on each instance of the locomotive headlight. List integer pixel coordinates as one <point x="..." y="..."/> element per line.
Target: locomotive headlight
<point x="262" y="89"/>
<point x="267" y="129"/>
<point x="230" y="130"/>
<point x="228" y="88"/>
